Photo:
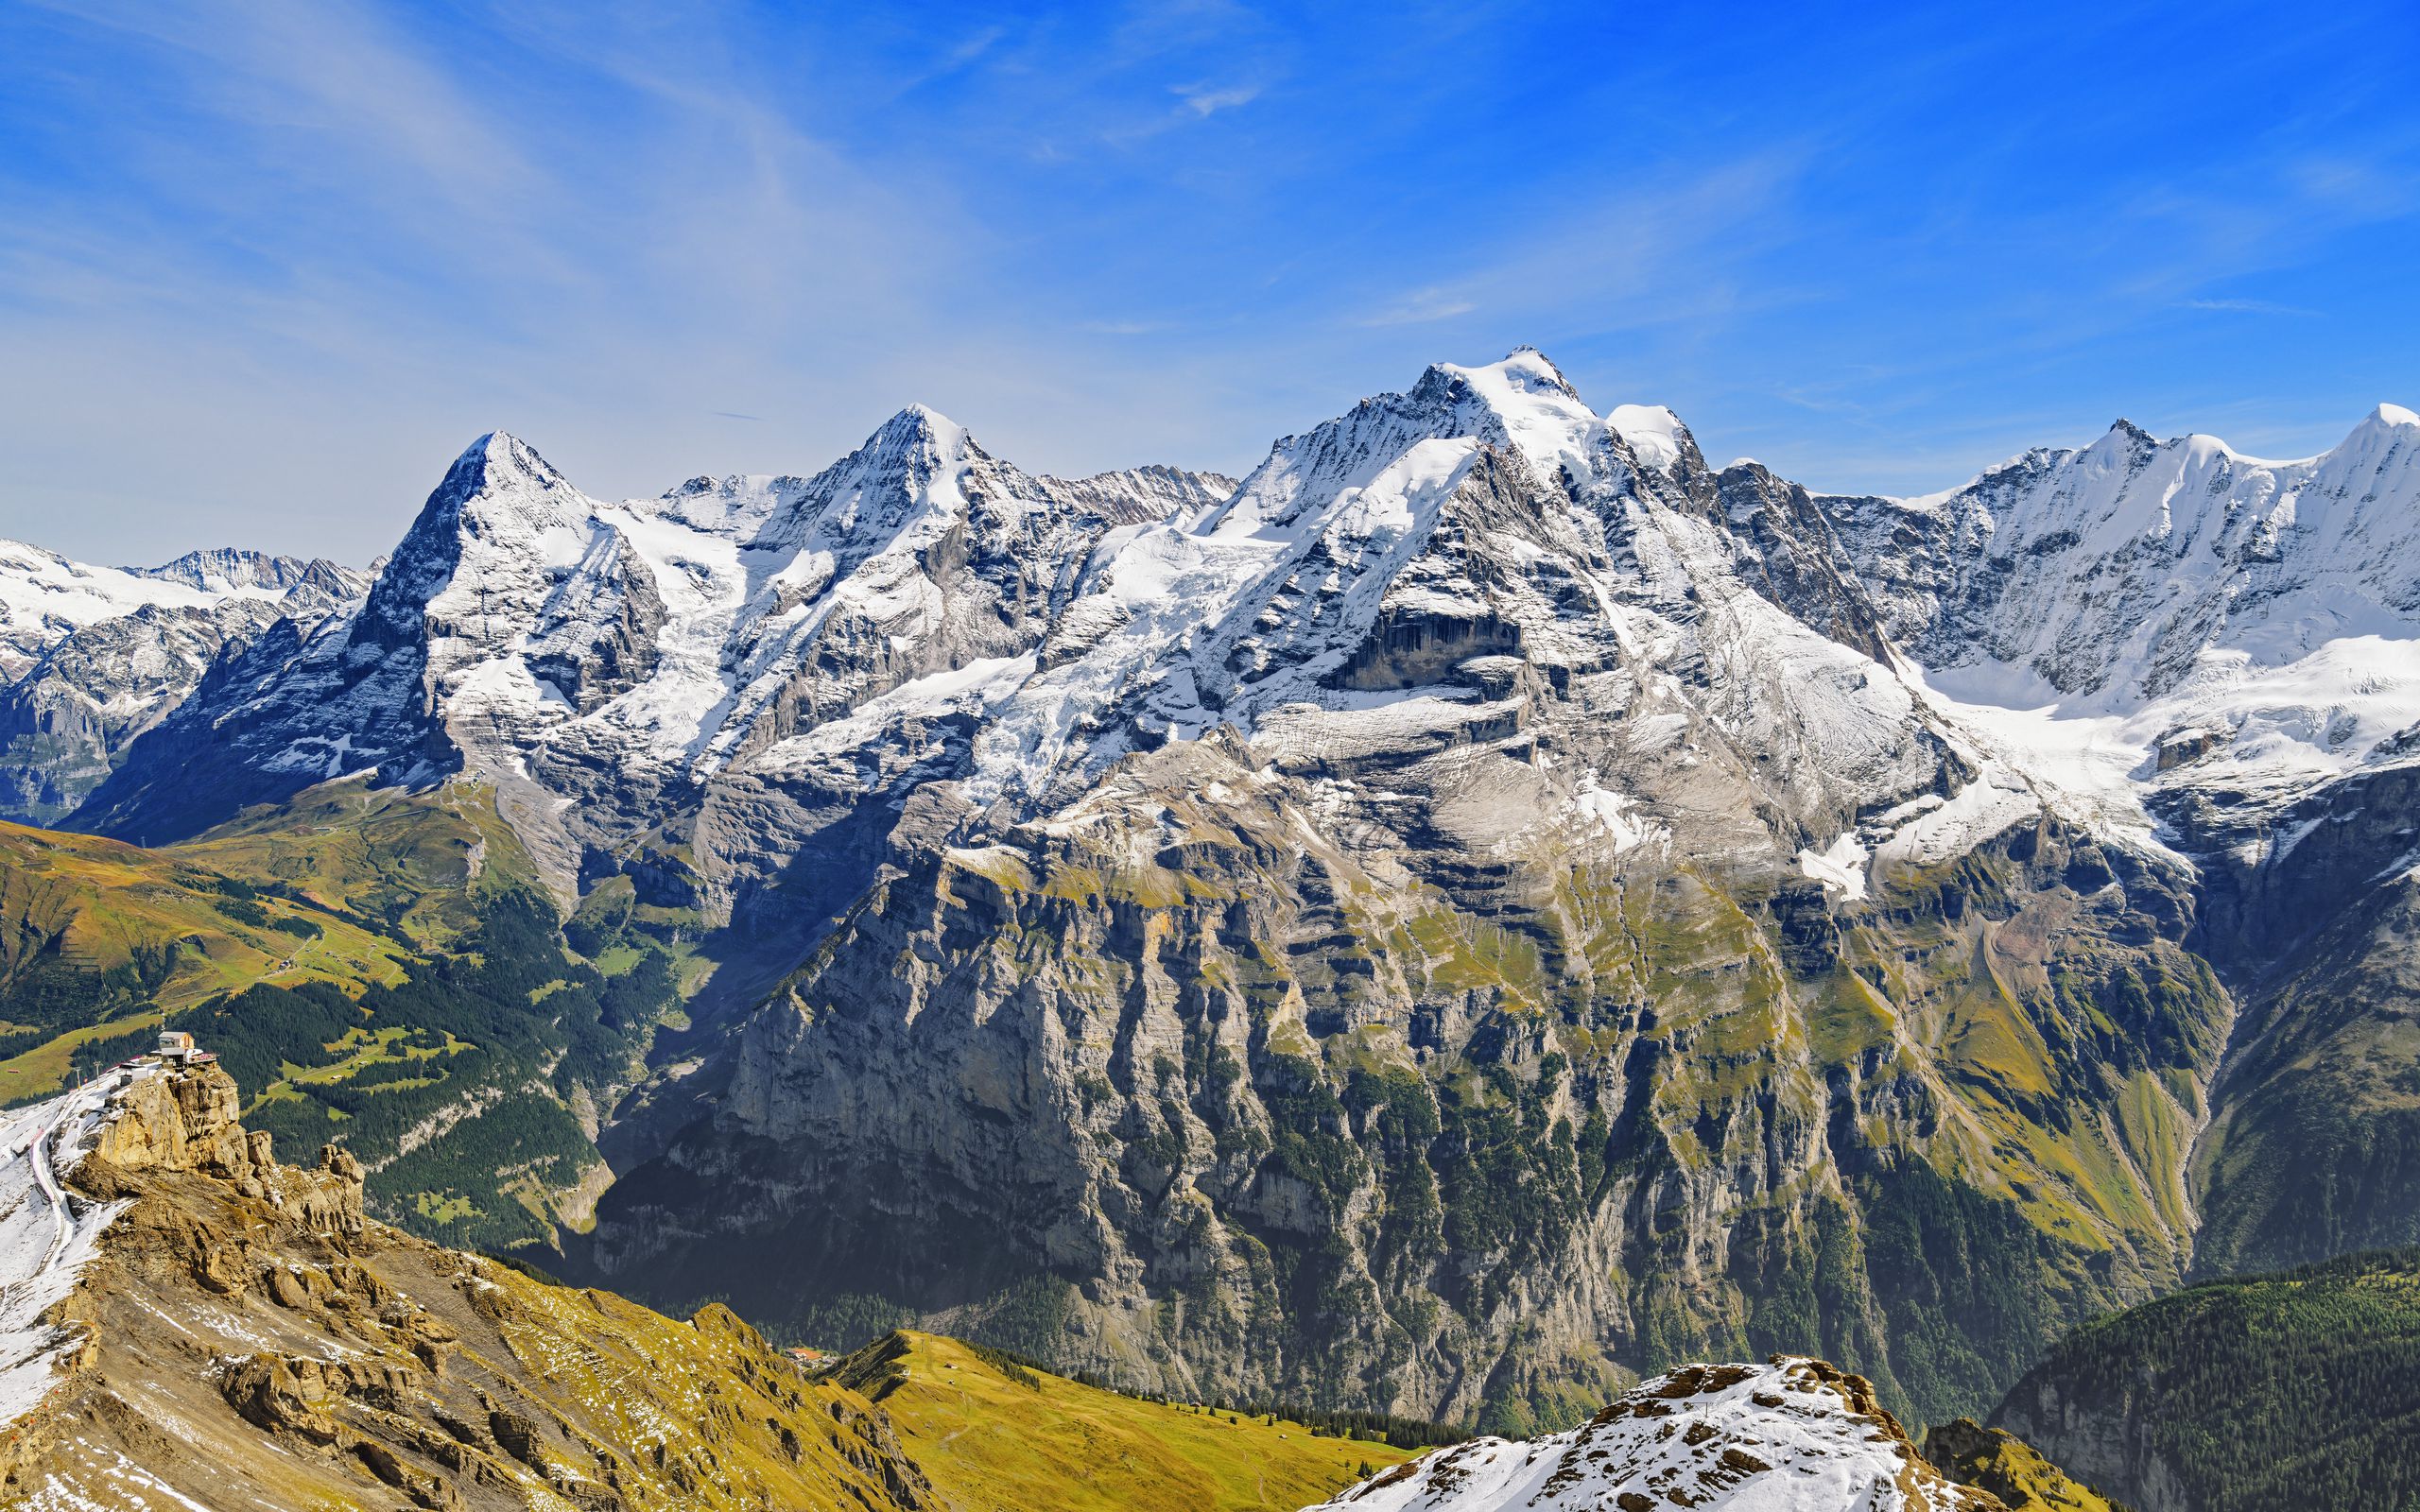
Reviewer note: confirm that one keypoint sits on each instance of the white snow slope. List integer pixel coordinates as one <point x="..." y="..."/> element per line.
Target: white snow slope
<point x="47" y="1235"/>
<point x="45" y="596"/>
<point x="1789" y="1436"/>
<point x="2140" y="615"/>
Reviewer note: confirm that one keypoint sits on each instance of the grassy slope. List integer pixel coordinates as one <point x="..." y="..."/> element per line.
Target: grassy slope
<point x="990" y="1442"/>
<point x="726" y="1409"/>
<point x="413" y="861"/>
<point x="417" y="977"/>
<point x="2009" y="1468"/>
<point x="97" y="937"/>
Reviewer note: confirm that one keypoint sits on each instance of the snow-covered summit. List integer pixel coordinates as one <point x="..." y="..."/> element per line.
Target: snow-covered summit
<point x="2104" y="576"/>
<point x="46" y="597"/>
<point x="1792" y="1435"/>
<point x="1656" y="435"/>
<point x="228" y="569"/>
<point x="556" y="641"/>
<point x="2140" y="615"/>
<point x="1484" y="511"/>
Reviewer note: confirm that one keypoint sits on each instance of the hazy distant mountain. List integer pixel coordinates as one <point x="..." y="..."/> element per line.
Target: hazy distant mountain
<point x="93" y="656"/>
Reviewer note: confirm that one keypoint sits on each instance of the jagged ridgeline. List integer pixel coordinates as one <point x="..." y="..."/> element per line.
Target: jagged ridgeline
<point x="1488" y="906"/>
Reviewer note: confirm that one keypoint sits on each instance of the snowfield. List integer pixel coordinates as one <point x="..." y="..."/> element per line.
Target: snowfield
<point x="46" y="1236"/>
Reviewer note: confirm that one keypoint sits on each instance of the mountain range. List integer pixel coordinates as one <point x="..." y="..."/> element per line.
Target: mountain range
<point x="1485" y="908"/>
<point x="93" y="656"/>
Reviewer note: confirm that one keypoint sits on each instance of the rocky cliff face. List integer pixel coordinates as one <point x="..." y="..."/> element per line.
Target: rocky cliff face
<point x="1176" y="1086"/>
<point x="245" y="1338"/>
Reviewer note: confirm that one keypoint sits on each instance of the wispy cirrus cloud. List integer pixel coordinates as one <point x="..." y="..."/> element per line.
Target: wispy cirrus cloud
<point x="276" y="261"/>
<point x="1421" y="307"/>
<point x="2247" y="307"/>
<point x="1209" y="99"/>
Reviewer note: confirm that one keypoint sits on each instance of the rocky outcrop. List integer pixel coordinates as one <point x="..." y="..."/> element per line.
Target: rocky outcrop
<point x="2010" y="1470"/>
<point x="185" y="1120"/>
<point x="251" y="1340"/>
<point x="1791" y="1433"/>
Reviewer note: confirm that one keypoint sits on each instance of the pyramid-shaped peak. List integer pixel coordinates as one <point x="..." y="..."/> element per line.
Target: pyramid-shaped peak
<point x="918" y="423"/>
<point x="499" y="460"/>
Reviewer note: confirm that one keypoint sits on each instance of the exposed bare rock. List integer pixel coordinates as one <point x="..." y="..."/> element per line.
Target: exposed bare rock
<point x="247" y="1339"/>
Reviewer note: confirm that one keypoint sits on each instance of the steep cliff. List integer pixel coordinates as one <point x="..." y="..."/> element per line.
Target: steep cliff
<point x="232" y="1331"/>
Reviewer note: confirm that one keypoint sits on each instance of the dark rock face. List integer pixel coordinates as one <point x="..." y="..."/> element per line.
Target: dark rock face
<point x="1247" y="1117"/>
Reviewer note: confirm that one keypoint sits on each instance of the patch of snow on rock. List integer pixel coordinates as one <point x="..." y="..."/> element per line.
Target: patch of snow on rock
<point x="1840" y="867"/>
<point x="1794" y="1435"/>
<point x="47" y="1235"/>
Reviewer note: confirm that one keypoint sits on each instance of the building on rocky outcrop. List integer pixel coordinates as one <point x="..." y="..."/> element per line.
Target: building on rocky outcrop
<point x="188" y="1322"/>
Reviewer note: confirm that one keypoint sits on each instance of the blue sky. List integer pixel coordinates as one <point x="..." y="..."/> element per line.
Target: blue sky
<point x="265" y="267"/>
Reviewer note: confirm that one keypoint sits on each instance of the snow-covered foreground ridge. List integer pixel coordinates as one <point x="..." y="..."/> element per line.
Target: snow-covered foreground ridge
<point x="1792" y="1435"/>
<point x="47" y="1235"/>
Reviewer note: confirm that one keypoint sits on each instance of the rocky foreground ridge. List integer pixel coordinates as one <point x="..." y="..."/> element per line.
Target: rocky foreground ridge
<point x="1792" y="1434"/>
<point x="233" y="1332"/>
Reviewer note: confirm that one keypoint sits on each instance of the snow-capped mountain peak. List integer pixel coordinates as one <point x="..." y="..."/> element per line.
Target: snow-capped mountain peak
<point x="2389" y="418"/>
<point x="228" y="570"/>
<point x="1526" y="403"/>
<point x="1654" y="434"/>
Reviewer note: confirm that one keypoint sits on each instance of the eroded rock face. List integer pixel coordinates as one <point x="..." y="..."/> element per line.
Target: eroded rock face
<point x="184" y="1121"/>
<point x="1244" y="1084"/>
<point x="249" y="1340"/>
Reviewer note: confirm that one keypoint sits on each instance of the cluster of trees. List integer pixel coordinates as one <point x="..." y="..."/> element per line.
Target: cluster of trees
<point x="2290" y="1390"/>
<point x="506" y="1009"/>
